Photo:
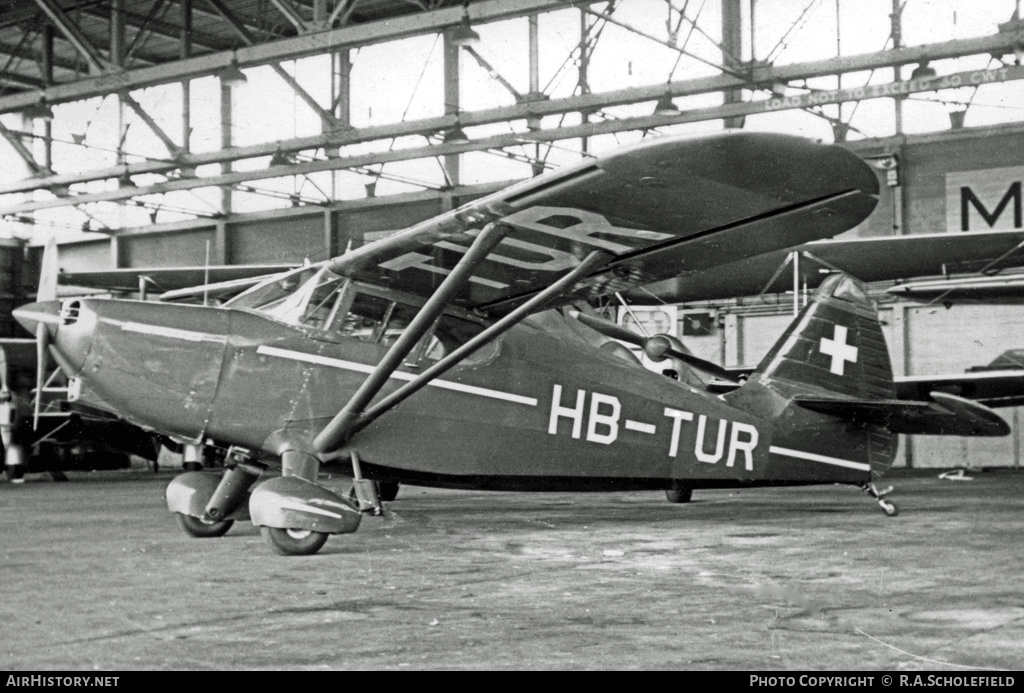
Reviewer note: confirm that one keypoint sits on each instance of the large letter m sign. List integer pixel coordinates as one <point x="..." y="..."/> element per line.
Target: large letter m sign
<point x="991" y="208"/>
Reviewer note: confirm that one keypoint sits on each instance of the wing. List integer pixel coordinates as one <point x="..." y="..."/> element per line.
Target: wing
<point x="976" y="288"/>
<point x="166" y="278"/>
<point x="993" y="388"/>
<point x="868" y="259"/>
<point x="656" y="209"/>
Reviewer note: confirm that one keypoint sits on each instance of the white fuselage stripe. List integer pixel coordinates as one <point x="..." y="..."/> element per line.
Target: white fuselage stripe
<point x="169" y="332"/>
<point x="820" y="458"/>
<point x="363" y="368"/>
<point x="640" y="427"/>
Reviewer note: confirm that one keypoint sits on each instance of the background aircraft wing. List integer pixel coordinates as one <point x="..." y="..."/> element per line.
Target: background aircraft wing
<point x="659" y="208"/>
<point x="161" y="279"/>
<point x="868" y="259"/>
<point x="970" y="287"/>
<point x="999" y="384"/>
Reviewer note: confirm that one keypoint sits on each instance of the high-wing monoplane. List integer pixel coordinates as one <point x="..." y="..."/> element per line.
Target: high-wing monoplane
<point x="452" y="354"/>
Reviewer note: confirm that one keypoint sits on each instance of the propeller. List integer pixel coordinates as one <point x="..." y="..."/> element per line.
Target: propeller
<point x="42" y="356"/>
<point x="657" y="348"/>
<point x="6" y="402"/>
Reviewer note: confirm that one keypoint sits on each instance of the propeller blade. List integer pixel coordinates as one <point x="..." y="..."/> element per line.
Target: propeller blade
<point x="42" y="356"/>
<point x="48" y="273"/>
<point x="5" y="390"/>
<point x="656" y="348"/>
<point x="610" y="329"/>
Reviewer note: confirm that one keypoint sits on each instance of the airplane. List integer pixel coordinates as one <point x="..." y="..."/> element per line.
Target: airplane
<point x="448" y="354"/>
<point x="39" y="431"/>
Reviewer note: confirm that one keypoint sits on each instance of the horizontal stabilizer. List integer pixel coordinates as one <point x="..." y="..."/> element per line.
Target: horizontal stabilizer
<point x="945" y="415"/>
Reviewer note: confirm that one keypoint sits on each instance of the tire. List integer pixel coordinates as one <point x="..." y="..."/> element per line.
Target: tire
<point x="387" y="490"/>
<point x="679" y="493"/>
<point x="15" y="463"/>
<point x="293" y="542"/>
<point x="202" y="529"/>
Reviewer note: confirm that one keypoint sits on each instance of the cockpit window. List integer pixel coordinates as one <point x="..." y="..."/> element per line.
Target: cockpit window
<point x="273" y="291"/>
<point x="320" y="299"/>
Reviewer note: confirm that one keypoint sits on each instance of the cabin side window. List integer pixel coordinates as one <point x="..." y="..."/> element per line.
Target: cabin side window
<point x="335" y="306"/>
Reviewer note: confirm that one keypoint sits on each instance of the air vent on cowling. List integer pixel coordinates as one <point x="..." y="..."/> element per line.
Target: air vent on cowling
<point x="69" y="312"/>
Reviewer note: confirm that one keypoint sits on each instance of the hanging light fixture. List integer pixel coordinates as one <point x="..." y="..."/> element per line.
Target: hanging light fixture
<point x="956" y="119"/>
<point x="455" y="136"/>
<point x="232" y="76"/>
<point x="279" y="159"/>
<point x="666" y="107"/>
<point x="39" y="111"/>
<point x="464" y="36"/>
<point x="923" y="71"/>
<point x="839" y="131"/>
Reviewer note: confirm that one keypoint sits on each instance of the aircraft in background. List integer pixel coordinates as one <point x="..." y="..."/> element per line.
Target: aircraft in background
<point x="40" y="431"/>
<point x="449" y="355"/>
<point x="972" y="288"/>
<point x="886" y="258"/>
<point x="215" y="283"/>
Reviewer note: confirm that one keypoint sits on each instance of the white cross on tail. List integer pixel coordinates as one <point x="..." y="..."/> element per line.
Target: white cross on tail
<point x="839" y="350"/>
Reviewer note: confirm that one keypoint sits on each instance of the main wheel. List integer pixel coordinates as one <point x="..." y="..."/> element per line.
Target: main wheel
<point x="387" y="490"/>
<point x="889" y="508"/>
<point x="203" y="529"/>
<point x="294" y="542"/>
<point x="679" y="493"/>
<point x="15" y="463"/>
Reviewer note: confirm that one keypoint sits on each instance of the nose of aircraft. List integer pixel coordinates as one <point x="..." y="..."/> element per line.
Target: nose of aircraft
<point x="69" y="327"/>
<point x="32" y="315"/>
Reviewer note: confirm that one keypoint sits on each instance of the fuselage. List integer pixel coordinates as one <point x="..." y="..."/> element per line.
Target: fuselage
<point x="538" y="408"/>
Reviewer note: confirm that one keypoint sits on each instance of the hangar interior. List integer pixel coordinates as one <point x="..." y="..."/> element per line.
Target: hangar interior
<point x="159" y="133"/>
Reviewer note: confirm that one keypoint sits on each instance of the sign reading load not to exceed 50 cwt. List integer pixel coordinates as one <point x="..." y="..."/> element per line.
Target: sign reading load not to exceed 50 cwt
<point x="973" y="78"/>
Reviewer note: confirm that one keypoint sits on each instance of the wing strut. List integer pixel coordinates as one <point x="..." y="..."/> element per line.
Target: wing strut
<point x="340" y="426"/>
<point x="503" y="325"/>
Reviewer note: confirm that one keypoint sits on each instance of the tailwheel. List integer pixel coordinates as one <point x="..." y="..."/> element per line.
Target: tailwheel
<point x="887" y="506"/>
<point x="202" y="528"/>
<point x="294" y="542"/>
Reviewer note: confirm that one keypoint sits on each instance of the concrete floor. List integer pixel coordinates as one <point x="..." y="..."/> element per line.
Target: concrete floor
<point x="97" y="576"/>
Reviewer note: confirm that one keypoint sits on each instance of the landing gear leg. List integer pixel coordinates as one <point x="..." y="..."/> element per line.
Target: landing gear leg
<point x="230" y="493"/>
<point x="191" y="458"/>
<point x="888" y="507"/>
<point x="365" y="492"/>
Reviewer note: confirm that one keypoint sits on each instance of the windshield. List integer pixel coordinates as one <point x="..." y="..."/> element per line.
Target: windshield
<point x="317" y="298"/>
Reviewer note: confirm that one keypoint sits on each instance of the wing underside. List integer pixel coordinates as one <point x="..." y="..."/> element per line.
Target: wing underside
<point x="656" y="209"/>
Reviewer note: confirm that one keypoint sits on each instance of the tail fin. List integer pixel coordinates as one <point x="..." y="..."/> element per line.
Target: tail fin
<point x="831" y="388"/>
<point x="835" y="346"/>
<point x="833" y="351"/>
